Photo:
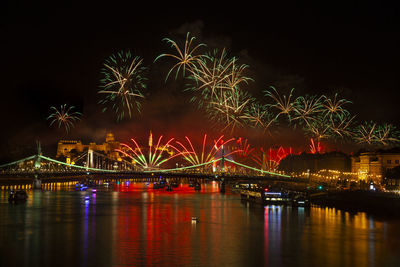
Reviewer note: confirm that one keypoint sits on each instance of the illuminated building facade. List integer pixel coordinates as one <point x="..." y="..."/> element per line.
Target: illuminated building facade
<point x="372" y="166"/>
<point x="71" y="148"/>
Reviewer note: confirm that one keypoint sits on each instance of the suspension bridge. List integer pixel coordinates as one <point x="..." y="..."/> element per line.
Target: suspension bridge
<point x="94" y="165"/>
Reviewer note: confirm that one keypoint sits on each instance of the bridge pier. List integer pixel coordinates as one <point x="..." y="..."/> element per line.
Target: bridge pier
<point x="222" y="186"/>
<point x="37" y="183"/>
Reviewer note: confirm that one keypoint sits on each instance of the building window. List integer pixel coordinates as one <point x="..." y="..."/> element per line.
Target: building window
<point x="389" y="161"/>
<point x="396" y="161"/>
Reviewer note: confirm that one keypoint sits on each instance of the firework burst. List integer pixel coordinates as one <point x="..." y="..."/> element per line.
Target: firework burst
<point x="229" y="109"/>
<point x="270" y="160"/>
<point x="284" y="104"/>
<point x="334" y="106"/>
<point x="65" y="116"/>
<point x="306" y="107"/>
<point x="185" y="56"/>
<point x="341" y="124"/>
<point x="195" y="157"/>
<point x="215" y="82"/>
<point x="122" y="84"/>
<point x="387" y="134"/>
<point x="258" y="116"/>
<point x="365" y="133"/>
<point x="153" y="158"/>
<point x="371" y="133"/>
<point x="244" y="150"/>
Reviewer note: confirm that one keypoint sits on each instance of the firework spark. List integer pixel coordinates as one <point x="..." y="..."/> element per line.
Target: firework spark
<point x="65" y="116"/>
<point x="122" y="83"/>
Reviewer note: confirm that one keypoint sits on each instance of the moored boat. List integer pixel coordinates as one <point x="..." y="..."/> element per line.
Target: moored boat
<point x="17" y="197"/>
<point x="276" y="197"/>
<point x="301" y="200"/>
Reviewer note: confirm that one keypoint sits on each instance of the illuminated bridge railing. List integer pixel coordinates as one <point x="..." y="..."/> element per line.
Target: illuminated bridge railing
<point x="48" y="166"/>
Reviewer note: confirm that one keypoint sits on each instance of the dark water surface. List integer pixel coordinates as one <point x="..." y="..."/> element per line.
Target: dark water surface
<point x="138" y="226"/>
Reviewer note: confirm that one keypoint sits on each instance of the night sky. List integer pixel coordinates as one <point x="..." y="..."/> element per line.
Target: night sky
<point x="53" y="55"/>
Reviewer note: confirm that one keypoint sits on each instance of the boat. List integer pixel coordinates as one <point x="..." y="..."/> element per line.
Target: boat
<point x="17" y="197"/>
<point x="169" y="187"/>
<point x="174" y="184"/>
<point x="237" y="187"/>
<point x="276" y="197"/>
<point x="252" y="193"/>
<point x="301" y="200"/>
<point x="107" y="184"/>
<point x="81" y="187"/>
<point x="265" y="195"/>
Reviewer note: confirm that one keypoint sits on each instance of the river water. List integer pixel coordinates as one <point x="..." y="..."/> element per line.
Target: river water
<point x="134" y="225"/>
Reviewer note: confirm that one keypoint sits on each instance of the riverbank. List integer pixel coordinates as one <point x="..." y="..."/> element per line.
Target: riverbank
<point x="371" y="202"/>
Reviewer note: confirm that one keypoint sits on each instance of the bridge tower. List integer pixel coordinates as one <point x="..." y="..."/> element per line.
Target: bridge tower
<point x="223" y="159"/>
<point x="222" y="183"/>
<point x="89" y="160"/>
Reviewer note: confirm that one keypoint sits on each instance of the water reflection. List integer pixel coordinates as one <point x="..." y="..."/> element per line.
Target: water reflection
<point x="134" y="225"/>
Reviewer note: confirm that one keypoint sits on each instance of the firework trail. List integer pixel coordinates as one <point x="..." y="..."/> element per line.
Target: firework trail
<point x="65" y="117"/>
<point x="122" y="84"/>
<point x="315" y="146"/>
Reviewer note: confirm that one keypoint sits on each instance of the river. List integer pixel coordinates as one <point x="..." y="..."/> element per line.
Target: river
<point x="134" y="225"/>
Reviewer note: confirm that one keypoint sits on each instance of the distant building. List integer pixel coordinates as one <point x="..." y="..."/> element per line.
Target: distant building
<point x="315" y="162"/>
<point x="71" y="148"/>
<point x="392" y="179"/>
<point x="372" y="166"/>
